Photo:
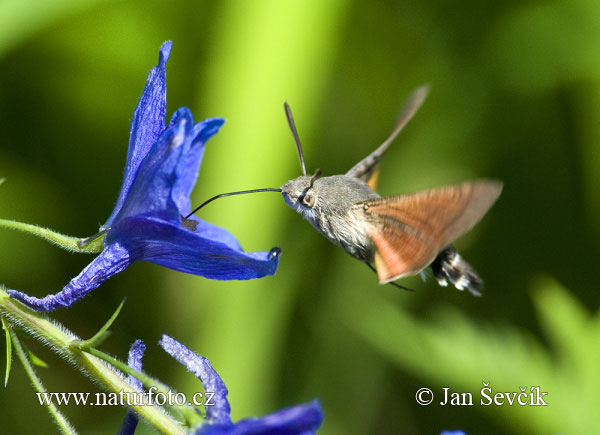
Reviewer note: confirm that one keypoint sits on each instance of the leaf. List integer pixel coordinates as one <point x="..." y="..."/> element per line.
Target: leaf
<point x="35" y="360"/>
<point x="59" y="417"/>
<point x="455" y="351"/>
<point x="103" y="333"/>
<point x="5" y="326"/>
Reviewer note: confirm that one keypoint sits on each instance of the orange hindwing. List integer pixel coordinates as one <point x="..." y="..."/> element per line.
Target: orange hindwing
<point x="410" y="230"/>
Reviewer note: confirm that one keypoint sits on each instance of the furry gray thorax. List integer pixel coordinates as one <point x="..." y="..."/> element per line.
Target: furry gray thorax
<point x="328" y="206"/>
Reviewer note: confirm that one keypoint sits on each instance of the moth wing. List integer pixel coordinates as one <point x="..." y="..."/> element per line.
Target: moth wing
<point x="410" y="230"/>
<point x="368" y="168"/>
<point x="391" y="261"/>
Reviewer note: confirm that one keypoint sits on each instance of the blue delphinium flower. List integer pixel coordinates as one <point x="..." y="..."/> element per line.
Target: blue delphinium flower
<point x="136" y="352"/>
<point x="149" y="220"/>
<point x="301" y="419"/>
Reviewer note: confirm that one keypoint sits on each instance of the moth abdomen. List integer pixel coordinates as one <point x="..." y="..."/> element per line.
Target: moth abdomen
<point x="450" y="266"/>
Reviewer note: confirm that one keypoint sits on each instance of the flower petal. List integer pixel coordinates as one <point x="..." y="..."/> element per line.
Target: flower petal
<point x="168" y="173"/>
<point x="188" y="167"/>
<point x="215" y="232"/>
<point x="112" y="260"/>
<point x="300" y="419"/>
<point x="129" y="424"/>
<point x="150" y="193"/>
<point x="169" y="245"/>
<point x="131" y="419"/>
<point x="136" y="352"/>
<point x="211" y="381"/>
<point x="147" y="125"/>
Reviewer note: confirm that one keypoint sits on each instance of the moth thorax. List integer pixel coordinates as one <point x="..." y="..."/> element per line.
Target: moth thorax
<point x="347" y="231"/>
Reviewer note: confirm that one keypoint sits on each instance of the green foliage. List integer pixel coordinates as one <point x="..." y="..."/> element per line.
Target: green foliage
<point x="59" y="419"/>
<point x="5" y="327"/>
<point x="454" y="351"/>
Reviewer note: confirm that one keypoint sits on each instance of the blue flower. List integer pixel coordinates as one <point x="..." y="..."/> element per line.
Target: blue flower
<point x="136" y="352"/>
<point x="301" y="419"/>
<point x="148" y="222"/>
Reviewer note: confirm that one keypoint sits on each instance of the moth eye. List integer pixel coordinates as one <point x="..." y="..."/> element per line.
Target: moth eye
<point x="308" y="200"/>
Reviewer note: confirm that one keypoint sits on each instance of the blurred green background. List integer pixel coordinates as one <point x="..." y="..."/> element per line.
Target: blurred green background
<point x="515" y="96"/>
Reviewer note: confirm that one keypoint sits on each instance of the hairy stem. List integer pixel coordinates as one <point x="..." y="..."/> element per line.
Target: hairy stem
<point x="73" y="244"/>
<point x="62" y="341"/>
<point x="59" y="418"/>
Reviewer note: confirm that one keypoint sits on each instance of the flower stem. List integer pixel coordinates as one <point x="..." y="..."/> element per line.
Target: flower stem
<point x="60" y="419"/>
<point x="89" y="346"/>
<point x="191" y="416"/>
<point x="62" y="341"/>
<point x="73" y="244"/>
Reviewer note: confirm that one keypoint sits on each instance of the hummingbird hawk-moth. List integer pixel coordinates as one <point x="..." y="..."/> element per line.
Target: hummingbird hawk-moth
<point x="401" y="234"/>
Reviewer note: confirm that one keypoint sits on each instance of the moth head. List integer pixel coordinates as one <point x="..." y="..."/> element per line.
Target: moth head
<point x="301" y="193"/>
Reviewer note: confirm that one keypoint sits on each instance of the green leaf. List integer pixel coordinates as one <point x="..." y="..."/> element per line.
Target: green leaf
<point x="103" y="333"/>
<point x="59" y="417"/>
<point x="36" y="360"/>
<point x="5" y="326"/>
<point x="501" y="355"/>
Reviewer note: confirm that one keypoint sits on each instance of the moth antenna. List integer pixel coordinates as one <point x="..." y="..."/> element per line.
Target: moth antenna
<point x="391" y="282"/>
<point x="315" y="177"/>
<point x="241" y="192"/>
<point x="292" y="124"/>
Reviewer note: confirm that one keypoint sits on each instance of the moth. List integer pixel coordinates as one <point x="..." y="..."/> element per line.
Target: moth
<point x="401" y="234"/>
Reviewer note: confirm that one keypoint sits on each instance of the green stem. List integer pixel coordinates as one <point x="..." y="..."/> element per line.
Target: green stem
<point x="186" y="412"/>
<point x="73" y="244"/>
<point x="62" y="341"/>
<point x="191" y="416"/>
<point x="60" y="419"/>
